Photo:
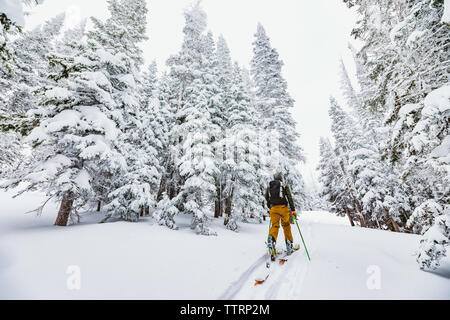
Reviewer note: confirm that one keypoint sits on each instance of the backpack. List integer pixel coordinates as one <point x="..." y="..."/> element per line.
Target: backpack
<point x="277" y="194"/>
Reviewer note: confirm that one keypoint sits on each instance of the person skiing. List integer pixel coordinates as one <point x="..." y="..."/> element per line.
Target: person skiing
<point x="278" y="197"/>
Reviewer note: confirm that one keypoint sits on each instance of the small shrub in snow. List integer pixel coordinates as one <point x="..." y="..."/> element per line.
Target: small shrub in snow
<point x="435" y="242"/>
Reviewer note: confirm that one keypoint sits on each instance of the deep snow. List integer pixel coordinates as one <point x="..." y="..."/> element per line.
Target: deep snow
<point x="121" y="260"/>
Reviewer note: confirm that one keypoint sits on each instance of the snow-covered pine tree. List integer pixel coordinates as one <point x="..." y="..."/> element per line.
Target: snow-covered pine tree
<point x="347" y="89"/>
<point x="218" y="70"/>
<point x="223" y="201"/>
<point x="190" y="76"/>
<point x="403" y="79"/>
<point x="11" y="23"/>
<point x="77" y="124"/>
<point x="31" y="64"/>
<point x="242" y="157"/>
<point x="262" y="165"/>
<point x="7" y="29"/>
<point x="347" y="139"/>
<point x="85" y="116"/>
<point x="435" y="242"/>
<point x="66" y="44"/>
<point x="165" y="110"/>
<point x="163" y="105"/>
<point x="24" y="72"/>
<point x="133" y="191"/>
<point x="274" y="103"/>
<point x="375" y="180"/>
<point x="334" y="188"/>
<point x="352" y="97"/>
<point x="148" y="83"/>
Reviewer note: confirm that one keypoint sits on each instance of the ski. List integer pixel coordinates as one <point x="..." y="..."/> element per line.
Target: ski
<point x="272" y="259"/>
<point x="260" y="281"/>
<point x="273" y="253"/>
<point x="286" y="256"/>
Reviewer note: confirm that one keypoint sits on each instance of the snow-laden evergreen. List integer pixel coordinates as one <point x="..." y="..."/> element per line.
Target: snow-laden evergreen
<point x="192" y="79"/>
<point x="31" y="67"/>
<point x="85" y="116"/>
<point x="242" y="156"/>
<point x="25" y="71"/>
<point x="399" y="157"/>
<point x="273" y="102"/>
<point x="119" y="38"/>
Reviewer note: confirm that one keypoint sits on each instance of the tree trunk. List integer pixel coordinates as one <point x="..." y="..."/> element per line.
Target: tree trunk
<point x="99" y="205"/>
<point x="392" y="223"/>
<point x="217" y="208"/>
<point x="162" y="187"/>
<point x="218" y="202"/>
<point x="349" y="217"/>
<point x="362" y="222"/>
<point x="396" y="227"/>
<point x="64" y="210"/>
<point x="228" y="203"/>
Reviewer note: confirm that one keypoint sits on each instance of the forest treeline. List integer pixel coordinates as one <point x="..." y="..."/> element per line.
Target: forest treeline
<point x="388" y="166"/>
<point x="203" y="137"/>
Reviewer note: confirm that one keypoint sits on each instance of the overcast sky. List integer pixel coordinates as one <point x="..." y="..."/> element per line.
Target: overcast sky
<point x="310" y="36"/>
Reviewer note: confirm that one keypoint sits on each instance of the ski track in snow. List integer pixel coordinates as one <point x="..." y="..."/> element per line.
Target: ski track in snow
<point x="287" y="282"/>
<point x="244" y="279"/>
<point x="284" y="282"/>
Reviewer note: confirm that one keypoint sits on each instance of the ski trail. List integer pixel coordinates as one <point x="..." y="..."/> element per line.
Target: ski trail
<point x="302" y="270"/>
<point x="284" y="282"/>
<point x="278" y="279"/>
<point x="288" y="280"/>
<point x="236" y="286"/>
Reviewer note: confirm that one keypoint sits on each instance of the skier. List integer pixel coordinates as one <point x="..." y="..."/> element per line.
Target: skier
<point x="278" y="197"/>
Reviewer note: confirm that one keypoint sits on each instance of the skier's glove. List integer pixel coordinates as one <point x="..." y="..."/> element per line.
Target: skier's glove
<point x="294" y="214"/>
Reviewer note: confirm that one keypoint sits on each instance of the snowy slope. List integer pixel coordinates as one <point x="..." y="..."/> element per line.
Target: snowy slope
<point x="145" y="261"/>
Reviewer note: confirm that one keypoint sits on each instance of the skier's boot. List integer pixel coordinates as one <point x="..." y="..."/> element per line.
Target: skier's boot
<point x="272" y="248"/>
<point x="289" y="247"/>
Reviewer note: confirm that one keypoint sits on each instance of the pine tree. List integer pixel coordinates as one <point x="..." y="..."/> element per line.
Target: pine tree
<point x="434" y="243"/>
<point x="31" y="64"/>
<point x="24" y="72"/>
<point x="85" y="117"/>
<point x="134" y="191"/>
<point x="274" y="103"/>
<point x="223" y="202"/>
<point x="191" y="75"/>
<point x="410" y="95"/>
<point x="347" y="139"/>
<point x="148" y="83"/>
<point x="334" y="188"/>
<point x="7" y="29"/>
<point x="165" y="112"/>
<point x="242" y="156"/>
<point x="71" y="37"/>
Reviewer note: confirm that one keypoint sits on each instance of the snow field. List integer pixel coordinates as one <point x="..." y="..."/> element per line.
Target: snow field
<point x="121" y="260"/>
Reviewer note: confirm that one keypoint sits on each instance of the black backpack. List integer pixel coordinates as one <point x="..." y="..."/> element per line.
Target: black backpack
<point x="277" y="194"/>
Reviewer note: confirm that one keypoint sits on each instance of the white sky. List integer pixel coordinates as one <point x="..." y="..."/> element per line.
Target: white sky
<point x="310" y="36"/>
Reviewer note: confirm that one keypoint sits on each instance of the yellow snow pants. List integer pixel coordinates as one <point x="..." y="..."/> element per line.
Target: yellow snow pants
<point x="282" y="213"/>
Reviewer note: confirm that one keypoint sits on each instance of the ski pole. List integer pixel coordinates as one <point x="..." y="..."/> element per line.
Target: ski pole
<point x="295" y="218"/>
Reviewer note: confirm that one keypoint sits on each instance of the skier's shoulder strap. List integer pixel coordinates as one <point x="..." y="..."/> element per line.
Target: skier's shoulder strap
<point x="288" y="196"/>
